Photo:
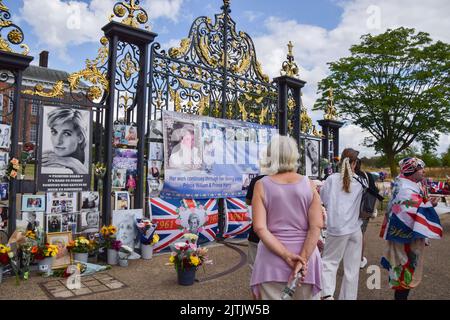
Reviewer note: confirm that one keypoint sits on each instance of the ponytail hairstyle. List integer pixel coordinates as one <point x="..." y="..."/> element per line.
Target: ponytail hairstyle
<point x="348" y="157"/>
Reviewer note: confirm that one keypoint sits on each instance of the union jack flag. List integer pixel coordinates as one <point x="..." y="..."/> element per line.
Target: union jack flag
<point x="437" y="186"/>
<point x="410" y="215"/>
<point x="238" y="218"/>
<point x="171" y="217"/>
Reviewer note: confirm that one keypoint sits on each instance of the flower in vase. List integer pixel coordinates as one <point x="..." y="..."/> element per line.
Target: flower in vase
<point x="5" y="254"/>
<point x="116" y="245"/>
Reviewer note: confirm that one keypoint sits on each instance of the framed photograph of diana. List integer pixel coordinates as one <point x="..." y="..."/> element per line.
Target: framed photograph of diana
<point x="64" y="152"/>
<point x="312" y="158"/>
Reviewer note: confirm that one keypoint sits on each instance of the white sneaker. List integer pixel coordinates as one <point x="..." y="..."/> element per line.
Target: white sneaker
<point x="363" y="263"/>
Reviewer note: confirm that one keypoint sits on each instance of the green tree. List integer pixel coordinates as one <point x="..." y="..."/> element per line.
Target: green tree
<point x="395" y="86"/>
<point x="446" y="158"/>
<point x="431" y="159"/>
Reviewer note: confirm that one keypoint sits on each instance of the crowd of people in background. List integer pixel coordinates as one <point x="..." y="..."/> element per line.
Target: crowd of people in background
<point x="290" y="215"/>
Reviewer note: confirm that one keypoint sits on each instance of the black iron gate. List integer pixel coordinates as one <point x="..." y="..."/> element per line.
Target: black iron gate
<point x="213" y="72"/>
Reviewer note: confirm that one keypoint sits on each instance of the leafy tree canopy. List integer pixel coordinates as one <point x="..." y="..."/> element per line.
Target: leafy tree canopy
<point x="395" y="86"/>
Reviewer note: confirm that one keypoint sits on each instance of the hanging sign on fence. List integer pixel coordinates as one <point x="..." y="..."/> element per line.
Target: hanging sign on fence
<point x="208" y="157"/>
<point x="64" y="154"/>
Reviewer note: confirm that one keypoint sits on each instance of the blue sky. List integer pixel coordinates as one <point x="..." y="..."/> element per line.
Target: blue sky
<point x="249" y="16"/>
<point x="321" y="30"/>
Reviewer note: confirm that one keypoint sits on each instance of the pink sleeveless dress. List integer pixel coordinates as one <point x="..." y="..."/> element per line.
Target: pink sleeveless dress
<point x="287" y="208"/>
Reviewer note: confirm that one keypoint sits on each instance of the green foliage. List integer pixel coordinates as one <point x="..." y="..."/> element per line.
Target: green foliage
<point x="446" y="158"/>
<point x="431" y="159"/>
<point x="396" y="86"/>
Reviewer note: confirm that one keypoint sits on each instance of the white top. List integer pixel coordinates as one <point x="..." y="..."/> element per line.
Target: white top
<point x="185" y="158"/>
<point x="342" y="207"/>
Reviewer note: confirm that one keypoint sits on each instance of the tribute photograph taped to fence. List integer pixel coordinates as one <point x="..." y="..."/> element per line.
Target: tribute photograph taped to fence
<point x="5" y="135"/>
<point x="312" y="157"/>
<point x="207" y="157"/>
<point x="64" y="152"/>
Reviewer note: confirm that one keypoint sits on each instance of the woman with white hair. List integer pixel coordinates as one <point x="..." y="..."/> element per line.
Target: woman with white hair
<point x="68" y="135"/>
<point x="341" y="195"/>
<point x="287" y="217"/>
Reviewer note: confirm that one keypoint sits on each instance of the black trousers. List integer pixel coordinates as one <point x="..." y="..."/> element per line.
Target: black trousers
<point x="401" y="294"/>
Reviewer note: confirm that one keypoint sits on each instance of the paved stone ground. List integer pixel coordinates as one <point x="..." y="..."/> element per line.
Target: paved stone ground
<point x="152" y="279"/>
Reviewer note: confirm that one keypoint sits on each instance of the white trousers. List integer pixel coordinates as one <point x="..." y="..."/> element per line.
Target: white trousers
<point x="337" y="247"/>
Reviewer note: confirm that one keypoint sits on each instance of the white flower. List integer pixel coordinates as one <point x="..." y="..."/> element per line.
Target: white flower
<point x="180" y="244"/>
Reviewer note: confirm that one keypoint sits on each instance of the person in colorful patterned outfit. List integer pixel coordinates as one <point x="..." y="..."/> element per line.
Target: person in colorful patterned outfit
<point x="409" y="222"/>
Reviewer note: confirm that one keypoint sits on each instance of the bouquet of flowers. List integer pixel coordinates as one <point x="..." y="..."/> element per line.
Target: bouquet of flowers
<point x="5" y="255"/>
<point x="125" y="252"/>
<point x="108" y="238"/>
<point x="99" y="169"/>
<point x="20" y="255"/>
<point x="41" y="252"/>
<point x="95" y="243"/>
<point x="80" y="245"/>
<point x="187" y="255"/>
<point x="67" y="272"/>
<point x="147" y="233"/>
<point x="13" y="167"/>
<point x="192" y="238"/>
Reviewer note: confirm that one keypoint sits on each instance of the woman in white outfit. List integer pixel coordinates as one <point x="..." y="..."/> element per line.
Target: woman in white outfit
<point x="185" y="155"/>
<point x="341" y="195"/>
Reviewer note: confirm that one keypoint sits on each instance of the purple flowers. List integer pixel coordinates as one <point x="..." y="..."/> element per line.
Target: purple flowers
<point x="116" y="245"/>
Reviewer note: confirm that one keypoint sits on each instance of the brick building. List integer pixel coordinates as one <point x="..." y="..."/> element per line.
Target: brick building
<point x="33" y="75"/>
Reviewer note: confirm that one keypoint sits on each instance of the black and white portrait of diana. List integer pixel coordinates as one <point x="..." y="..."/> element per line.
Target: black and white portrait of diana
<point x="65" y="140"/>
<point x="312" y="157"/>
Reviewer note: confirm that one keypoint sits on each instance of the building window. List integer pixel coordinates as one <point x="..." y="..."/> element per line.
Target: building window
<point x="33" y="133"/>
<point x="34" y="108"/>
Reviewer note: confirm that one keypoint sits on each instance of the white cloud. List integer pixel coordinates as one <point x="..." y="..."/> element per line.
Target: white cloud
<point x="59" y="24"/>
<point x="251" y="16"/>
<point x="351" y="136"/>
<point x="444" y="144"/>
<point x="163" y="8"/>
<point x="315" y="46"/>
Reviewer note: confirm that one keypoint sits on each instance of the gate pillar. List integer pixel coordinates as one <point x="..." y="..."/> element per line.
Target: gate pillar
<point x="116" y="32"/>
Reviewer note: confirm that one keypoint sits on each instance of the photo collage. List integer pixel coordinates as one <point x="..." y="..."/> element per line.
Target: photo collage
<point x="60" y="212"/>
<point x="125" y="135"/>
<point x="5" y="141"/>
<point x="124" y="165"/>
<point x="155" y="162"/>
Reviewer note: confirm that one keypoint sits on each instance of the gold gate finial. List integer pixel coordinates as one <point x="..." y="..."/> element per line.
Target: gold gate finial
<point x="290" y="46"/>
<point x="15" y="36"/>
<point x="331" y="113"/>
<point x="289" y="67"/>
<point x="132" y="6"/>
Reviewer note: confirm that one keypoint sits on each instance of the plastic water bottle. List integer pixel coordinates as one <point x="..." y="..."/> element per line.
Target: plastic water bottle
<point x="289" y="290"/>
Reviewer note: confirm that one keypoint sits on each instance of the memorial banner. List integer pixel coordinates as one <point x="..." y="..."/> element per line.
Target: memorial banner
<point x="207" y="157"/>
<point x="175" y="217"/>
